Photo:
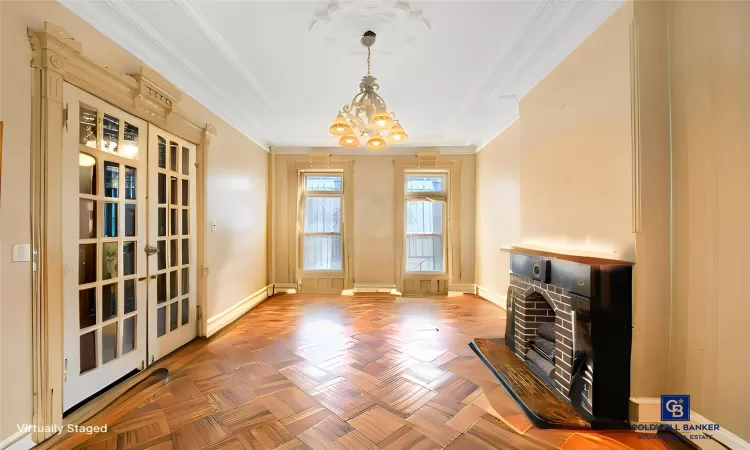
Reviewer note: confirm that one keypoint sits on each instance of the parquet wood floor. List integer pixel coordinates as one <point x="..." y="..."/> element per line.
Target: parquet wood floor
<point x="333" y="372"/>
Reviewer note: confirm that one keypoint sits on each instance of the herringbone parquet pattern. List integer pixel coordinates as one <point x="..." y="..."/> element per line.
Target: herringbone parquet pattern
<point x="334" y="372"/>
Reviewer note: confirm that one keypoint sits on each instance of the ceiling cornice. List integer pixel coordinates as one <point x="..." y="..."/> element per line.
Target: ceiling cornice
<point x="360" y="151"/>
<point x="500" y="60"/>
<point x="487" y="142"/>
<point x="154" y="54"/>
<point x="218" y="42"/>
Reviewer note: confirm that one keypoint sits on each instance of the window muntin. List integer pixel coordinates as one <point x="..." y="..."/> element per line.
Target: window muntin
<point x="422" y="183"/>
<point x="323" y="183"/>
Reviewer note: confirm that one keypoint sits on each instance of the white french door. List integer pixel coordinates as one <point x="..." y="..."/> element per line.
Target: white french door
<point x="172" y="230"/>
<point x="129" y="244"/>
<point x="104" y="234"/>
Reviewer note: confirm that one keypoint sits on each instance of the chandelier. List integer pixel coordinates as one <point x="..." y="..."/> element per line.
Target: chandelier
<point x="367" y="115"/>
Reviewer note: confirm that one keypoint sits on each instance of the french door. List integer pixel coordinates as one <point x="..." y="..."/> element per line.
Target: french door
<point x="129" y="244"/>
<point x="172" y="231"/>
<point x="104" y="233"/>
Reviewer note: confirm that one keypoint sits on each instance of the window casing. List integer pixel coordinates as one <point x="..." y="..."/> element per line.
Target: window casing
<point x="321" y="212"/>
<point x="425" y="222"/>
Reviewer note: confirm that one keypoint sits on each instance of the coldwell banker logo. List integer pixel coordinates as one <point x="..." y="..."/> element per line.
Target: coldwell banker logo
<point x="675" y="408"/>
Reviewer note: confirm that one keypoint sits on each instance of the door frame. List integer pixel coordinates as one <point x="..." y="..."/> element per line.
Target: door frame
<point x="56" y="58"/>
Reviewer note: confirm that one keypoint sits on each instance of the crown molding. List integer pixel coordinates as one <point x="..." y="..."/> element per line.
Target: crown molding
<point x="486" y="143"/>
<point x="547" y="32"/>
<point x="218" y="42"/>
<point x="361" y="151"/>
<point x="157" y="53"/>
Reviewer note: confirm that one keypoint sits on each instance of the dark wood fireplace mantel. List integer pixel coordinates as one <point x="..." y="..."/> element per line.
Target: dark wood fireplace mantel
<point x="588" y="258"/>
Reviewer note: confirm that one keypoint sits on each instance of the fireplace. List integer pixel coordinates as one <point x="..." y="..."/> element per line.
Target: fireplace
<point x="566" y="316"/>
<point x="544" y="330"/>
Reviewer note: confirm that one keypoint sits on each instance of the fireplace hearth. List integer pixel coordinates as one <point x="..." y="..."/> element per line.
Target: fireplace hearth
<point x="566" y="316"/>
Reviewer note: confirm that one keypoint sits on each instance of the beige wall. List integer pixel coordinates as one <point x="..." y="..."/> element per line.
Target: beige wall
<point x="710" y="69"/>
<point x="575" y="165"/>
<point x="374" y="207"/>
<point x="498" y="206"/>
<point x="562" y="173"/>
<point x="577" y="185"/>
<point x="236" y="176"/>
<point x="576" y="173"/>
<point x="15" y="278"/>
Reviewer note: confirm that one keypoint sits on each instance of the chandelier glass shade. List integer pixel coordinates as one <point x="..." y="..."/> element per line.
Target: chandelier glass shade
<point x="367" y="115"/>
<point x="349" y="140"/>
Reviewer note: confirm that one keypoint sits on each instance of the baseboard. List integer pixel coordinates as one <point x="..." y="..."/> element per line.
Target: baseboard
<point x="465" y="288"/>
<point x="493" y="297"/>
<point x="374" y="287"/>
<point x="647" y="410"/>
<point x="287" y="288"/>
<point x="18" y="441"/>
<point x="224" y="318"/>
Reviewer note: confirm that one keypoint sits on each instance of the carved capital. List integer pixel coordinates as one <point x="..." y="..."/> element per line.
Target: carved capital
<point x="36" y="48"/>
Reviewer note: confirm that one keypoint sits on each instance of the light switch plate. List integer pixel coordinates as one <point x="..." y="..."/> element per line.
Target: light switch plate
<point x="213" y="225"/>
<point x="22" y="253"/>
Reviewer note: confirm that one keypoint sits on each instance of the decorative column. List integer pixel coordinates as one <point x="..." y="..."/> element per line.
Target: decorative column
<point x="209" y="132"/>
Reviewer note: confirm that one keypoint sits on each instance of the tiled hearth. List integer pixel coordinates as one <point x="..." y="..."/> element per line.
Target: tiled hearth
<point x="536" y="303"/>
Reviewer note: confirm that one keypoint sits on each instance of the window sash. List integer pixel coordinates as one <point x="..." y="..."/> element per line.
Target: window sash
<point x="429" y="247"/>
<point x="321" y="251"/>
<point x="443" y="184"/>
<point x="307" y="190"/>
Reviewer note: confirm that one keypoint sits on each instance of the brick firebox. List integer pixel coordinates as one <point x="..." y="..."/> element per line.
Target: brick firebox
<point x="536" y="303"/>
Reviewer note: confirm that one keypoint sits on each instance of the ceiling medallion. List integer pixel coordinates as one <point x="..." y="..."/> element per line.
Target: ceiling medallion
<point x="367" y="115"/>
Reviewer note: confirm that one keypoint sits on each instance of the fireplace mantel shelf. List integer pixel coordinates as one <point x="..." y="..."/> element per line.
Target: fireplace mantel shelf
<point x="578" y="257"/>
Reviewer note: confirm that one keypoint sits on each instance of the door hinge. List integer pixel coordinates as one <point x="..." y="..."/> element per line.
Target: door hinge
<point x="205" y="271"/>
<point x="65" y="370"/>
<point x="65" y="117"/>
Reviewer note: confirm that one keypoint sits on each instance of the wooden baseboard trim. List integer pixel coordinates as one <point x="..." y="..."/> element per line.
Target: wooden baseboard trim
<point x="647" y="410"/>
<point x="374" y="287"/>
<point x="285" y="288"/>
<point x="19" y="440"/>
<point x="493" y="297"/>
<point x="224" y="318"/>
<point x="464" y="288"/>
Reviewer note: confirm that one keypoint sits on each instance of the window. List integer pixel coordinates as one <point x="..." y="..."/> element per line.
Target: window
<point x="425" y="223"/>
<point x="321" y="202"/>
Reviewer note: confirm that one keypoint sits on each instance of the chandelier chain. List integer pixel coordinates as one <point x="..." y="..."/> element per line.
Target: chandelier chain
<point x="368" y="61"/>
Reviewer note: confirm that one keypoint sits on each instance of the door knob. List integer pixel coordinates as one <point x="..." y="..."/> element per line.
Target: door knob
<point x="150" y="250"/>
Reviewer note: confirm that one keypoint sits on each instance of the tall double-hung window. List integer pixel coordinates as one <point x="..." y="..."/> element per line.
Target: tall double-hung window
<point x="322" y="199"/>
<point x="425" y="217"/>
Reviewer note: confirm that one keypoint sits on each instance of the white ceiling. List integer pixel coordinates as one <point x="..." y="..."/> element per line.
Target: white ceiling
<point x="278" y="71"/>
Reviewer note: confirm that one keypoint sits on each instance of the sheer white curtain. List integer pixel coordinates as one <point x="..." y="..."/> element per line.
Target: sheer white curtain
<point x="424" y="236"/>
<point x="322" y="233"/>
